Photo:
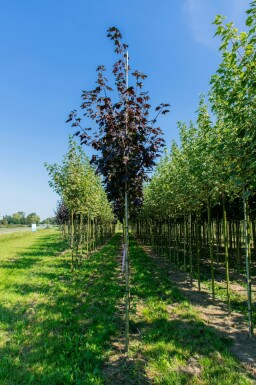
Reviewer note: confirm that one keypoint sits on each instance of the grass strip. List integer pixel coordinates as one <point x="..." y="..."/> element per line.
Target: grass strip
<point x="55" y="325"/>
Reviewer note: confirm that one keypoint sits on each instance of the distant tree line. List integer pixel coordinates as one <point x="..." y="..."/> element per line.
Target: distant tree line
<point x="20" y="218"/>
<point x="50" y="221"/>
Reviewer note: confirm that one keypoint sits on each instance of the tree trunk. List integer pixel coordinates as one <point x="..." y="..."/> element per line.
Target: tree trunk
<point x="127" y="285"/>
<point x="198" y="251"/>
<point x="210" y="246"/>
<point x="225" y="234"/>
<point x="185" y="243"/>
<point x="247" y="258"/>
<point x="190" y="250"/>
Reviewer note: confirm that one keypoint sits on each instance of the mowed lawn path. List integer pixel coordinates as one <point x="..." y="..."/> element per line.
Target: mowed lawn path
<point x="55" y="326"/>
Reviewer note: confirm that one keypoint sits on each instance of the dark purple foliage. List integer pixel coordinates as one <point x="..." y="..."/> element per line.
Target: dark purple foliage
<point x="127" y="141"/>
<point x="61" y="214"/>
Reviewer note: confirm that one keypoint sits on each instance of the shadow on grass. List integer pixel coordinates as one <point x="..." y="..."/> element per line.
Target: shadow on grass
<point x="238" y="303"/>
<point x="44" y="246"/>
<point x="63" y="337"/>
<point x="177" y="347"/>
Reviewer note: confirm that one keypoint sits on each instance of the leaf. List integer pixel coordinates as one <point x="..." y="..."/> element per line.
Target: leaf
<point x="246" y="194"/>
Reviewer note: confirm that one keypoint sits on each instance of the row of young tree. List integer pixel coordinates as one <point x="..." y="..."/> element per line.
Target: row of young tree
<point x="20" y="218"/>
<point x="84" y="214"/>
<point x="200" y="205"/>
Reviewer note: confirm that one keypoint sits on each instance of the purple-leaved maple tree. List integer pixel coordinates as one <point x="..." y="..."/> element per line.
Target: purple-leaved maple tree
<point x="127" y="139"/>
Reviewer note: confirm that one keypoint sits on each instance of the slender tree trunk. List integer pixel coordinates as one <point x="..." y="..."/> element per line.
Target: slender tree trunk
<point x="169" y="238"/>
<point x="71" y="229"/>
<point x="72" y="237"/>
<point x="247" y="259"/>
<point x="204" y="240"/>
<point x="81" y="236"/>
<point x="254" y="238"/>
<point x="190" y="250"/>
<point x="198" y="251"/>
<point x="88" y="234"/>
<point x="225" y="235"/>
<point x="93" y="234"/>
<point x="185" y="243"/>
<point x="64" y="230"/>
<point x="238" y="247"/>
<point x="127" y="286"/>
<point x="230" y="238"/>
<point x="176" y="240"/>
<point x="210" y="246"/>
<point x="218" y="240"/>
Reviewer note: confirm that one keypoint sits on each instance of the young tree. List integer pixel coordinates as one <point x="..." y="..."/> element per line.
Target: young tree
<point x="81" y="193"/>
<point x="126" y="138"/>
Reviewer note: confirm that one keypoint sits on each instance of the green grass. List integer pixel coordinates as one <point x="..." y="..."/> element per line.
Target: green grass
<point x="55" y="325"/>
<point x="238" y="301"/>
<point x="169" y="336"/>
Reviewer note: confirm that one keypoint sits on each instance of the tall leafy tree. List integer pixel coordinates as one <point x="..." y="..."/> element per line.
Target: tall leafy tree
<point x="234" y="102"/>
<point x="32" y="218"/>
<point x="126" y="138"/>
<point x="81" y="193"/>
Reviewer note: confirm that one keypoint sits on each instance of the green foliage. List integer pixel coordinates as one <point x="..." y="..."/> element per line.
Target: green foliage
<point x="233" y="97"/>
<point x="78" y="185"/>
<point x="32" y="218"/>
<point x="49" y="221"/>
<point x="216" y="156"/>
<point x="20" y="218"/>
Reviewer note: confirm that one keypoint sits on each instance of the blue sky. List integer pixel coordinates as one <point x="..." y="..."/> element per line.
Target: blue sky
<point x="49" y="52"/>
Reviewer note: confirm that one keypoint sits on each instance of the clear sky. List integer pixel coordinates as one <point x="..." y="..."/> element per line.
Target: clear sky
<point x="49" y="52"/>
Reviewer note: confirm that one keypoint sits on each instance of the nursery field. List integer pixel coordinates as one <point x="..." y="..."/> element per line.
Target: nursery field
<point x="59" y="326"/>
